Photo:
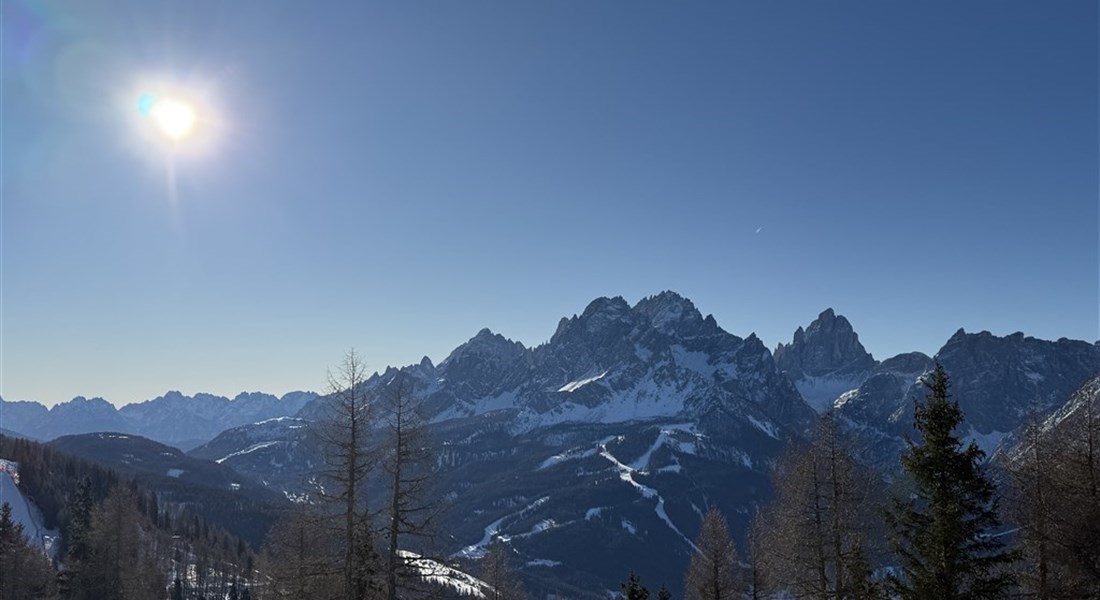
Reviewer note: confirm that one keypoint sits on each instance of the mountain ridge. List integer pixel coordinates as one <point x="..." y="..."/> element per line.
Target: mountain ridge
<point x="160" y="419"/>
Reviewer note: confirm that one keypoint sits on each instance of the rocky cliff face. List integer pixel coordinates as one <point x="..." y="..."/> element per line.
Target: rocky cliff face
<point x="612" y="363"/>
<point x="997" y="381"/>
<point x="825" y="360"/>
<point x="188" y="420"/>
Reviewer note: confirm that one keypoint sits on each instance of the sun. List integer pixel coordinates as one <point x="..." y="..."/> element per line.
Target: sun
<point x="174" y="118"/>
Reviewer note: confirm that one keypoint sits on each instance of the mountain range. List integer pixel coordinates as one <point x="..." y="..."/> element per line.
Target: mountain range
<point x="605" y="445"/>
<point x="174" y="419"/>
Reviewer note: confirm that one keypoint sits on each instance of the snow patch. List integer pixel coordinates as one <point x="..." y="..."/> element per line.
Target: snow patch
<point x="174" y="473"/>
<point x="764" y="426"/>
<point x="627" y="474"/>
<point x="573" y="386"/>
<point x="821" y="393"/>
<point x="646" y="400"/>
<point x="572" y="454"/>
<point x="248" y="450"/>
<point x="664" y="438"/>
<point x="988" y="442"/>
<point x="435" y="572"/>
<point x="480" y="406"/>
<point x="543" y="562"/>
<point x="26" y="513"/>
<point x="277" y="420"/>
<point x="477" y="551"/>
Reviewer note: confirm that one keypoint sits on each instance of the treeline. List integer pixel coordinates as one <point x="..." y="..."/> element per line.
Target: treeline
<point x="118" y="540"/>
<point x="835" y="530"/>
<point x="246" y="510"/>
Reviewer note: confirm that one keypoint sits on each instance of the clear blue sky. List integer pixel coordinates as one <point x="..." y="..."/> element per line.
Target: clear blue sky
<point x="395" y="176"/>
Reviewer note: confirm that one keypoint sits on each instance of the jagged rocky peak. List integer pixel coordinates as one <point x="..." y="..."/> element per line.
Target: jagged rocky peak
<point x="603" y="316"/>
<point x="998" y="380"/>
<point x="249" y="397"/>
<point x="602" y="313"/>
<point x="486" y="345"/>
<point x="82" y="403"/>
<point x="907" y="363"/>
<point x="669" y="312"/>
<point x="829" y="345"/>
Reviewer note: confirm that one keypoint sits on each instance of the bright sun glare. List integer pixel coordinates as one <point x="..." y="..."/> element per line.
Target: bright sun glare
<point x="174" y="118"/>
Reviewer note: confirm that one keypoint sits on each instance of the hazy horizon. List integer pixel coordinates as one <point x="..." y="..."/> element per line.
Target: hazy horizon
<point x="320" y="388"/>
<point x="395" y="177"/>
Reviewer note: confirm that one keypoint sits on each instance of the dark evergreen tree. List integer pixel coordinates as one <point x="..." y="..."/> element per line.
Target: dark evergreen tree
<point x="80" y="520"/>
<point x="177" y="589"/>
<point x="941" y="533"/>
<point x="663" y="593"/>
<point x="25" y="572"/>
<point x="632" y="588"/>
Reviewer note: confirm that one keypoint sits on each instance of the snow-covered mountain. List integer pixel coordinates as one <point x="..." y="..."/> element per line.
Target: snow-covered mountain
<point x="625" y="426"/>
<point x="613" y="363"/>
<point x="1069" y="422"/>
<point x="206" y="415"/>
<point x="631" y="419"/>
<point x="282" y="453"/>
<point x="79" y="415"/>
<point x="1079" y="412"/>
<point x="998" y="382"/>
<point x="825" y="360"/>
<point x="175" y="419"/>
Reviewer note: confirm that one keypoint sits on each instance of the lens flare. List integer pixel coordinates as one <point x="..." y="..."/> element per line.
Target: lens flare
<point x="174" y="118"/>
<point x="145" y="104"/>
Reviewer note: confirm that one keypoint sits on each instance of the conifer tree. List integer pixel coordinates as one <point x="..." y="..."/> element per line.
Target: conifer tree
<point x="663" y="593"/>
<point x="25" y="572"/>
<point x="632" y="588"/>
<point x="80" y="520"/>
<point x="942" y="533"/>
